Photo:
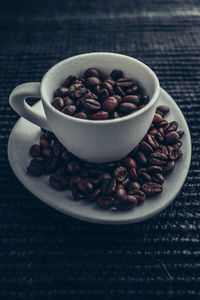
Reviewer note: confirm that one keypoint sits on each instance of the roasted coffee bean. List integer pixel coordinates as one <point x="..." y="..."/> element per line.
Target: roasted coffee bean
<point x="77" y="194"/>
<point x="109" y="80"/>
<point x="62" y="170"/>
<point x="58" y="182"/>
<point x="94" y="195"/>
<point x="101" y="115"/>
<point x="35" y="169"/>
<point x="38" y="161"/>
<point x="104" y="176"/>
<point x="93" y="81"/>
<point x="81" y="115"/>
<point x="139" y="195"/>
<point x="108" y="186"/>
<point x="69" y="110"/>
<point x="116" y="115"/>
<point x="73" y="167"/>
<point x="108" y="87"/>
<point x="180" y="133"/>
<point x="175" y="153"/>
<point x="159" y="112"/>
<point x="143" y="176"/>
<point x="68" y="101"/>
<point x="131" y="99"/>
<point x="144" y="99"/>
<point x="159" y="137"/>
<point x="178" y="144"/>
<point x="51" y="165"/>
<point x="172" y="137"/>
<point x="85" y="186"/>
<point x="119" y="98"/>
<point x="58" y="103"/>
<point x="47" y="152"/>
<point x="120" y="174"/>
<point x="151" y="141"/>
<point x="133" y="185"/>
<point x="92" y="72"/>
<point x="105" y="202"/>
<point x="172" y="126"/>
<point x="35" y="150"/>
<point x="119" y="186"/>
<point x="129" y="162"/>
<point x="151" y="188"/>
<point x="163" y="108"/>
<point x="132" y="174"/>
<point x="162" y="124"/>
<point x="74" y="180"/>
<point x="169" y="167"/>
<point x="153" y="131"/>
<point x="57" y="149"/>
<point x="157" y="159"/>
<point x="126" y="107"/>
<point x="141" y="158"/>
<point x="91" y="105"/>
<point x="125" y="82"/>
<point x="163" y="149"/>
<point x="144" y="146"/>
<point x="119" y="91"/>
<point x="65" y="156"/>
<point x="158" y="178"/>
<point x="119" y="193"/>
<point x="154" y="169"/>
<point x="126" y="203"/>
<point x="44" y="143"/>
<point x="116" y="74"/>
<point x="69" y="80"/>
<point x="157" y="118"/>
<point x="62" y="92"/>
<point x="103" y="93"/>
<point x="110" y="104"/>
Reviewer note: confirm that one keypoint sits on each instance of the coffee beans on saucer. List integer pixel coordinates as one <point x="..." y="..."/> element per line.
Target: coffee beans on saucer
<point x="119" y="185"/>
<point x="96" y="96"/>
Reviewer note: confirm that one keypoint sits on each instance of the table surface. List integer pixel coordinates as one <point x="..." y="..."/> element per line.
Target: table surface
<point x="47" y="255"/>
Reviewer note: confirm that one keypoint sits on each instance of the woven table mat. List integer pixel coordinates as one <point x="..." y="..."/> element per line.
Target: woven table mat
<point x="47" y="255"/>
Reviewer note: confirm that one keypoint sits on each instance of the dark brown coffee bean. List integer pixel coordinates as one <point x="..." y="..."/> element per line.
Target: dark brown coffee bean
<point x="62" y="92"/>
<point x="131" y="99"/>
<point x="151" y="141"/>
<point x="126" y="107"/>
<point x="110" y="104"/>
<point x="145" y="99"/>
<point x="85" y="186"/>
<point x="73" y="167"/>
<point x="35" y="169"/>
<point x="93" y="81"/>
<point x="129" y="162"/>
<point x="151" y="188"/>
<point x="160" y="112"/>
<point x="92" y="72"/>
<point x="68" y="101"/>
<point x="172" y="126"/>
<point x="159" y="137"/>
<point x="38" y="161"/>
<point x="153" y="131"/>
<point x="144" y="146"/>
<point x="69" y="110"/>
<point x="178" y="144"/>
<point x="163" y="108"/>
<point x="58" y="182"/>
<point x="119" y="186"/>
<point x="69" y="80"/>
<point x="44" y="143"/>
<point x="175" y="153"/>
<point x="109" y="79"/>
<point x="133" y="185"/>
<point x="62" y="170"/>
<point x="101" y="115"/>
<point x="65" y="156"/>
<point x="77" y="195"/>
<point x="94" y="195"/>
<point x="132" y="174"/>
<point x="126" y="203"/>
<point x="91" y="105"/>
<point x="143" y="176"/>
<point x="162" y="124"/>
<point x="104" y="176"/>
<point x="120" y="174"/>
<point x="81" y="115"/>
<point x="105" y="202"/>
<point x="108" y="87"/>
<point x="141" y="158"/>
<point x="116" y="74"/>
<point x="180" y="133"/>
<point x="169" y="167"/>
<point x="35" y="150"/>
<point x="116" y="115"/>
<point x="157" y="118"/>
<point x="158" y="178"/>
<point x="172" y="137"/>
<point x="51" y="165"/>
<point x="157" y="159"/>
<point x="108" y="186"/>
<point x="154" y="169"/>
<point x="119" y="193"/>
<point x="57" y="149"/>
<point x="119" y="91"/>
<point x="47" y="152"/>
<point x="74" y="180"/>
<point x="163" y="149"/>
<point x="103" y="93"/>
<point x="119" y="98"/>
<point x="125" y="82"/>
<point x="77" y="90"/>
<point x="139" y="195"/>
<point x="58" y="103"/>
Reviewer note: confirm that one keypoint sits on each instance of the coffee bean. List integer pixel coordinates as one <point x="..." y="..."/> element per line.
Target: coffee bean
<point x="94" y="195"/>
<point x="178" y="144"/>
<point x="172" y="137"/>
<point x="101" y="115"/>
<point x="110" y="104"/>
<point x="35" y="150"/>
<point x="131" y="99"/>
<point x="44" y="143"/>
<point x="73" y="167"/>
<point x="172" y="126"/>
<point x="58" y="103"/>
<point x="180" y="133"/>
<point x="69" y="110"/>
<point x="77" y="195"/>
<point x="69" y="80"/>
<point x="119" y="91"/>
<point x="92" y="72"/>
<point x="150" y="139"/>
<point x="132" y="174"/>
<point x="116" y="115"/>
<point x="105" y="202"/>
<point x="169" y="167"/>
<point x="163" y="149"/>
<point x="35" y="169"/>
<point x="120" y="174"/>
<point x="126" y="107"/>
<point x="133" y="185"/>
<point x="57" y="149"/>
<point x="143" y="175"/>
<point x="108" y="87"/>
<point x="91" y="105"/>
<point x="126" y="203"/>
<point x="62" y="91"/>
<point x="124" y="82"/>
<point x="119" y="193"/>
<point x="108" y="186"/>
<point x="85" y="186"/>
<point x="157" y="159"/>
<point x="62" y="170"/>
<point x="153" y="131"/>
<point x="58" y="182"/>
<point x="74" y="180"/>
<point x="157" y="118"/>
<point x="93" y="81"/>
<point x="163" y="108"/>
<point x="145" y="99"/>
<point x="162" y="124"/>
<point x="139" y="195"/>
<point x="141" y="158"/>
<point x="151" y="188"/>
<point x="116" y="74"/>
<point x="129" y="162"/>
<point x="51" y="165"/>
<point x="47" y="152"/>
<point x="175" y="153"/>
<point x="144" y="146"/>
<point x="103" y="93"/>
<point x="158" y="178"/>
<point x="119" y="98"/>
<point x="68" y="101"/>
<point x="104" y="176"/>
<point x="154" y="169"/>
<point x="159" y="137"/>
<point x="81" y="115"/>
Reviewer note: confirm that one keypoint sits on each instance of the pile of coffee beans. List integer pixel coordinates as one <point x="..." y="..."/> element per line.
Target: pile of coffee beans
<point x="98" y="97"/>
<point x="122" y="184"/>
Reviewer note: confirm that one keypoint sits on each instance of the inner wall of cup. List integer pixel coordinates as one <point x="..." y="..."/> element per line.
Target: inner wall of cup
<point x="105" y="62"/>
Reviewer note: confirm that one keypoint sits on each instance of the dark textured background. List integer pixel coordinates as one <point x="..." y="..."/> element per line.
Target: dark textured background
<point x="47" y="255"/>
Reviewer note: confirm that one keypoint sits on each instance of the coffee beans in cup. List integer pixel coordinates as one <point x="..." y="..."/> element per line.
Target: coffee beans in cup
<point x="97" y="96"/>
<point x="119" y="185"/>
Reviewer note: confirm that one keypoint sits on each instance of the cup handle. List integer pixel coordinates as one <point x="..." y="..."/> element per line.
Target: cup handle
<point x="18" y="102"/>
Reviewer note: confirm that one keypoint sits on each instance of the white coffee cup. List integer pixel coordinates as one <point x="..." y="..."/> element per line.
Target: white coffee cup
<point x="93" y="141"/>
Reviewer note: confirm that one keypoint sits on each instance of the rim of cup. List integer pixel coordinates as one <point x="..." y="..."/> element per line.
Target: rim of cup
<point x="102" y="122"/>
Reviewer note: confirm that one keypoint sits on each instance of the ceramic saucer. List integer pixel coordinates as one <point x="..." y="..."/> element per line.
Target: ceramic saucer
<point x="24" y="134"/>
